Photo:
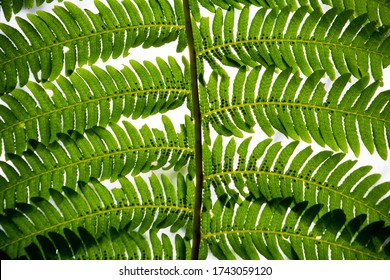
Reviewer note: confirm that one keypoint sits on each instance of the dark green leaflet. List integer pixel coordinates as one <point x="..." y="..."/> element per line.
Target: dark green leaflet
<point x="97" y="210"/>
<point x="280" y="229"/>
<point x="377" y="10"/>
<point x="12" y="7"/>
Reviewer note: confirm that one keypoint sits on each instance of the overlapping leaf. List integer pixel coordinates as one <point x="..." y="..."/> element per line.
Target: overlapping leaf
<point x="141" y="207"/>
<point x="299" y="108"/>
<point x="303" y="41"/>
<point x="90" y="98"/>
<point x="100" y="154"/>
<point x="113" y="245"/>
<point x="12" y="7"/>
<point x="377" y="10"/>
<point x="276" y="171"/>
<point x="51" y="44"/>
<point x="280" y="230"/>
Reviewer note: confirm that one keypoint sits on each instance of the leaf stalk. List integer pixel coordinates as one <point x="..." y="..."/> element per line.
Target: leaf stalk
<point x="198" y="134"/>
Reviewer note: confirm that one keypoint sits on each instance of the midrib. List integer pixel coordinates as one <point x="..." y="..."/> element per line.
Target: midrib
<point x="274" y="232"/>
<point x="113" y="30"/>
<point x="94" y="100"/>
<point x="301" y="41"/>
<point x="53" y="170"/>
<point x="316" y="184"/>
<point x="97" y="213"/>
<point x="294" y="104"/>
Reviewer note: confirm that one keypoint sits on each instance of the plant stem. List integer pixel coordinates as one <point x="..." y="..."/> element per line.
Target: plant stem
<point x="198" y="134"/>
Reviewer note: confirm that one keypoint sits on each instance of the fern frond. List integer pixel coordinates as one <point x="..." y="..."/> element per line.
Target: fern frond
<point x="298" y="108"/>
<point x="40" y="48"/>
<point x="140" y="207"/>
<point x="377" y="10"/>
<point x="280" y="229"/>
<point x="305" y="42"/>
<point x="99" y="154"/>
<point x="12" y="7"/>
<point x="274" y="171"/>
<point x="113" y="245"/>
<point x="79" y="102"/>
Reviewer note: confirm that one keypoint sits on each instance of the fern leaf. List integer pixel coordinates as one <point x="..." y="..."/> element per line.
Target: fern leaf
<point x="81" y="245"/>
<point x="12" y="7"/>
<point x="274" y="171"/>
<point x="312" y="114"/>
<point x="97" y="210"/>
<point x="330" y="42"/>
<point x="99" y="154"/>
<point x="280" y="229"/>
<point x="87" y="36"/>
<point x="77" y="101"/>
<point x="376" y="10"/>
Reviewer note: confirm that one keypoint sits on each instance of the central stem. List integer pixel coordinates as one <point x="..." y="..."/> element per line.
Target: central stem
<point x="198" y="134"/>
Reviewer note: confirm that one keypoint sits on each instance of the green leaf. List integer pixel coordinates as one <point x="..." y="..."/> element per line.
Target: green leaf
<point x="94" y="208"/>
<point x="98" y="154"/>
<point x="264" y="42"/>
<point x="272" y="172"/>
<point x="291" y="230"/>
<point x="77" y="102"/>
<point x="83" y="29"/>
<point x="309" y="115"/>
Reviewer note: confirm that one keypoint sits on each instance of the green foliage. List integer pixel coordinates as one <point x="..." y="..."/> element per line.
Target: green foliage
<point x="313" y="114"/>
<point x="81" y="179"/>
<point x="375" y="9"/>
<point x="99" y="154"/>
<point x="139" y="91"/>
<point x="10" y="7"/>
<point x="246" y="234"/>
<point x="320" y="44"/>
<point x="87" y="36"/>
<point x="311" y="177"/>
<point x="97" y="211"/>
